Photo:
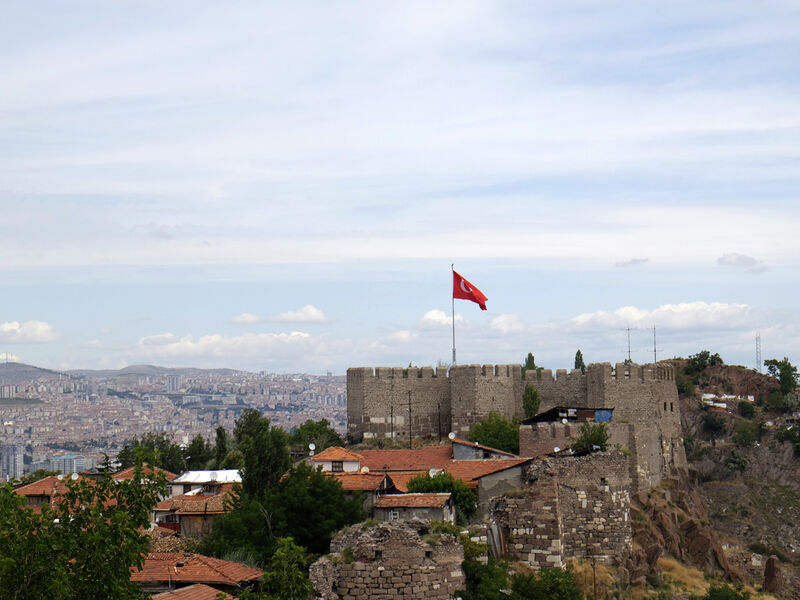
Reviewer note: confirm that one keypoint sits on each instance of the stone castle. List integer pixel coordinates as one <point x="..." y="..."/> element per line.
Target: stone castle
<point x="422" y="402"/>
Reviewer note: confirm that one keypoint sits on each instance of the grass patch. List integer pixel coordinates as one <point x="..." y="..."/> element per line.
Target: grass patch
<point x="688" y="579"/>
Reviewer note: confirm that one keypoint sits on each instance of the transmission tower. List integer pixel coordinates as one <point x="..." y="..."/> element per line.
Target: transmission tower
<point x="758" y="351"/>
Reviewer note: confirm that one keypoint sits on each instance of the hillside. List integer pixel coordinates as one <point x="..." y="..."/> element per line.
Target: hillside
<point x="748" y="478"/>
<point x="13" y="373"/>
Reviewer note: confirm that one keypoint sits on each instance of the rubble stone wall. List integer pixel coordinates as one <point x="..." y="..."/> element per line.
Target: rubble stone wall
<point x="389" y="561"/>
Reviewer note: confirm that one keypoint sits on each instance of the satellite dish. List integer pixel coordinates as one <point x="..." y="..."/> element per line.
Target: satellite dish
<point x="212" y="476"/>
<point x="564" y="421"/>
<point x="74" y="477"/>
<point x="556" y="449"/>
<point x="312" y="446"/>
<point x="60" y="476"/>
<point x="365" y="469"/>
<point x="451" y="435"/>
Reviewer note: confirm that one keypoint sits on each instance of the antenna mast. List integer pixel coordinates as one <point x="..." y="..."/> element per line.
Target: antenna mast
<point x="758" y="352"/>
<point x="655" y="354"/>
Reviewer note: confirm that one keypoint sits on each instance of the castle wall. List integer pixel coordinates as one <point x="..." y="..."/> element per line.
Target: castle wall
<point x="642" y="396"/>
<point x="478" y="390"/>
<point x="378" y="402"/>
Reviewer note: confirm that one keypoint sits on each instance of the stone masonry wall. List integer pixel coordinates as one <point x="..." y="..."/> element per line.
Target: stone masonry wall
<point x="388" y="561"/>
<point x="478" y="390"/>
<point x="378" y="402"/>
<point x="576" y="507"/>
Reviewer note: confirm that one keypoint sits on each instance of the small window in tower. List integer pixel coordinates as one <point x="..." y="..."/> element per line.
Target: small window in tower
<point x="337" y="466"/>
<point x="671" y="407"/>
<point x="665" y="407"/>
<point x="378" y="554"/>
<point x="428" y="554"/>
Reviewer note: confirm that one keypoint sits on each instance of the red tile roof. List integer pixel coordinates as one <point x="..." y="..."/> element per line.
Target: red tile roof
<point x="179" y="567"/>
<point x="337" y="453"/>
<point x="359" y="481"/>
<point x="400" y="478"/>
<point x="198" y="503"/>
<point x="482" y="447"/>
<point x="431" y="457"/>
<point x="412" y="501"/>
<point x="128" y="473"/>
<point x="198" y="591"/>
<point x="470" y="470"/>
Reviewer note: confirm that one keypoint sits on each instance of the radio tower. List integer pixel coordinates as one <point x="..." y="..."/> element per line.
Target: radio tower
<point x="758" y="351"/>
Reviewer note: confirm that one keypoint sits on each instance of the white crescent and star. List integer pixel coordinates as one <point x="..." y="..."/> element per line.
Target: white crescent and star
<point x="465" y="287"/>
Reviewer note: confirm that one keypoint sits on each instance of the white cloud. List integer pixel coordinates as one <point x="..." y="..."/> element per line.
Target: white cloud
<point x="215" y="345"/>
<point x="307" y="314"/>
<point x="246" y="319"/>
<point x="439" y="317"/>
<point x="685" y="315"/>
<point x="29" y="332"/>
<point x="507" y="324"/>
<point x="741" y="261"/>
<point x="402" y="335"/>
<point x="633" y="262"/>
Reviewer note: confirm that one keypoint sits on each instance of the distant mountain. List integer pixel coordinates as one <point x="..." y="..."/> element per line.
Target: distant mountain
<point x="150" y="370"/>
<point x="13" y="373"/>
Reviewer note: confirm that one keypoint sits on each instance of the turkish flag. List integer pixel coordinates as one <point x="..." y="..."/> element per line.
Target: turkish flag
<point x="464" y="290"/>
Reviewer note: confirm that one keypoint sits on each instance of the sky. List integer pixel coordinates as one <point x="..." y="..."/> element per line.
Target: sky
<point x="284" y="186"/>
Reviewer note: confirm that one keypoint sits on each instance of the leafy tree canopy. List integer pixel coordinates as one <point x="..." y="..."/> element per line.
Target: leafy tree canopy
<point x="83" y="546"/>
<point x="579" y="364"/>
<point x="496" y="432"/>
<point x="286" y="578"/>
<point x="698" y="363"/>
<point x="464" y="498"/>
<point x="155" y="449"/>
<point x="199" y="453"/>
<point x="320" y="432"/>
<point x="786" y="373"/>
<point x="545" y="585"/>
<point x="590" y="435"/>
<point x="265" y="451"/>
<point x="530" y="401"/>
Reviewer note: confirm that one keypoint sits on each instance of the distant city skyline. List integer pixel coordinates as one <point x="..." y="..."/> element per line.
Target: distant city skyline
<point x="265" y="187"/>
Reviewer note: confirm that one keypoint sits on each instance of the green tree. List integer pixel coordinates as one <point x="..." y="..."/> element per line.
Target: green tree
<point x="265" y="451"/>
<point x="199" y="453"/>
<point x="83" y="546"/>
<point x="530" y="401"/>
<point x="579" y="364"/>
<point x="485" y="581"/>
<point x="496" y="432"/>
<point x="465" y="499"/>
<point x="746" y="409"/>
<point x="155" y="449"/>
<point x="591" y="435"/>
<point x="287" y="577"/>
<point x="320" y="432"/>
<point x="548" y="583"/>
<point x="785" y="372"/>
<point x="697" y="363"/>
<point x="746" y="433"/>
<point x="714" y="424"/>
<point x="307" y="491"/>
<point x="529" y="364"/>
<point x="220" y="446"/>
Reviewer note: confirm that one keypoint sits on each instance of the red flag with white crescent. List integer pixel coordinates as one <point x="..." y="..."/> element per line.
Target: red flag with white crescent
<point x="464" y="290"/>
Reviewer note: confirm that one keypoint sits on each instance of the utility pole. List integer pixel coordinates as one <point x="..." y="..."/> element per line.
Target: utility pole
<point x="409" y="419"/>
<point x="391" y="419"/>
<point x="439" y="416"/>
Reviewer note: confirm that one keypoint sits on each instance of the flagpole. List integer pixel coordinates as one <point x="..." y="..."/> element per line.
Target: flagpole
<point x="453" y="303"/>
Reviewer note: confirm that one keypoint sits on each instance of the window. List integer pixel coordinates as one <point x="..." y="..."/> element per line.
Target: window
<point x="378" y="554"/>
<point x="394" y="515"/>
<point x="337" y="466"/>
<point x="671" y="407"/>
<point x="428" y="554"/>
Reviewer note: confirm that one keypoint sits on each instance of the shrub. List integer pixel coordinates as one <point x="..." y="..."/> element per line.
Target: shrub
<point x="590" y="435"/>
<point x="746" y="409"/>
<point x="714" y="423"/>
<point x="464" y="498"/>
<point x="746" y="433"/>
